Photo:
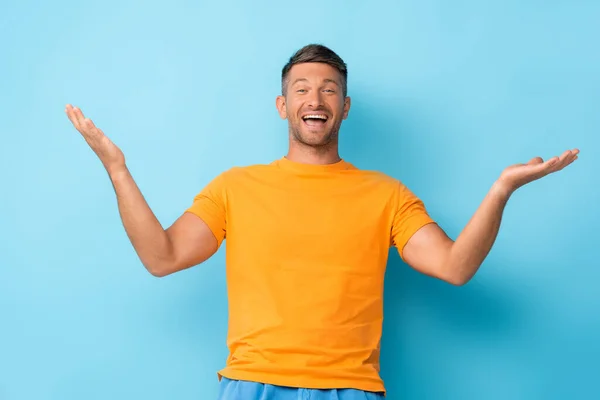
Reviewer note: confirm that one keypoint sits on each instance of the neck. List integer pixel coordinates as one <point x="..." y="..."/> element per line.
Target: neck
<point x="313" y="155"/>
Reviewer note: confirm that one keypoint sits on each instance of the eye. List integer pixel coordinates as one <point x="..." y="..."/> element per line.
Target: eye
<point x="329" y="90"/>
<point x="300" y="90"/>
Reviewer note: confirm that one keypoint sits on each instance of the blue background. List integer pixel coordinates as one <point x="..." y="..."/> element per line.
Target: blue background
<point x="445" y="95"/>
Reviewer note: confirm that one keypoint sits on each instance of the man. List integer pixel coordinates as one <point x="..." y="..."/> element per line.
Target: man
<point x="307" y="244"/>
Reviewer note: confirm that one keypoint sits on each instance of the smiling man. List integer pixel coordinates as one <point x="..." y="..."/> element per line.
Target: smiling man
<point x="314" y="121"/>
<point x="307" y="244"/>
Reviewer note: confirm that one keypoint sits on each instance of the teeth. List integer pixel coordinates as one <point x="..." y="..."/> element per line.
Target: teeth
<point x="316" y="116"/>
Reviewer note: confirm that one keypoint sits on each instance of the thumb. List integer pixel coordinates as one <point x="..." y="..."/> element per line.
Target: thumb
<point x="535" y="160"/>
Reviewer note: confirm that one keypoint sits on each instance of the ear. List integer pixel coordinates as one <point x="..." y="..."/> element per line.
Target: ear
<point x="347" y="102"/>
<point x="280" y="103"/>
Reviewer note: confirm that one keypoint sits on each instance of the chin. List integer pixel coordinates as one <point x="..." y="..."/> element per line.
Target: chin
<point x="316" y="139"/>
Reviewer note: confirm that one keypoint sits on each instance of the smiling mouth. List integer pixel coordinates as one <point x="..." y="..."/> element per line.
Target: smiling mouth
<point x="315" y="120"/>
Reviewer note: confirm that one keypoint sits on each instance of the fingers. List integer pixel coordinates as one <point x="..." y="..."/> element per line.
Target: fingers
<point x="79" y="117"/>
<point x="565" y="159"/>
<point x="557" y="163"/>
<point x="89" y="125"/>
<point x="82" y="124"/>
<point x="540" y="168"/>
<point x="572" y="157"/>
<point x="71" y="115"/>
<point x="551" y="162"/>
<point x="76" y="117"/>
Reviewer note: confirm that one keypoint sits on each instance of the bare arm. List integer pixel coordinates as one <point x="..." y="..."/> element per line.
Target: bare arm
<point x="432" y="252"/>
<point x="186" y="243"/>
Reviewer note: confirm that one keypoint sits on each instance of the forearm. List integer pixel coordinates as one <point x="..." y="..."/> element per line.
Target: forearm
<point x="474" y="243"/>
<point x="149" y="239"/>
<point x="432" y="252"/>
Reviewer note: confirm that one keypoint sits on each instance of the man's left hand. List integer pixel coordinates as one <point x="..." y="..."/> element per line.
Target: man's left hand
<point x="515" y="176"/>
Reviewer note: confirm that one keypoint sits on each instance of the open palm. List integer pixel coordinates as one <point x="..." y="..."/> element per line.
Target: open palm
<point x="110" y="155"/>
<point x="518" y="175"/>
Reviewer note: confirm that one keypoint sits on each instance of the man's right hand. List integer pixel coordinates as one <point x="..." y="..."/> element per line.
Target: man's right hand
<point x="110" y="155"/>
<point x="188" y="242"/>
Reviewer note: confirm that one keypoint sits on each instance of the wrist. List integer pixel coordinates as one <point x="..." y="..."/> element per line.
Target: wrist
<point x="116" y="171"/>
<point x="502" y="189"/>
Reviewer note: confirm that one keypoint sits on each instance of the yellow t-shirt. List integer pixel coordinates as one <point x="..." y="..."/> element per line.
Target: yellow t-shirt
<point x="307" y="247"/>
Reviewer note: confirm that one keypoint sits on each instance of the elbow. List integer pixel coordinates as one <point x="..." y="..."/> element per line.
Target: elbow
<point x="157" y="273"/>
<point x="457" y="271"/>
<point x="158" y="269"/>
<point x="456" y="276"/>
<point x="458" y="280"/>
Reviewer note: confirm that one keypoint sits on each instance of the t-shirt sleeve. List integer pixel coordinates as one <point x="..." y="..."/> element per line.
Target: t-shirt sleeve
<point x="411" y="215"/>
<point x="211" y="206"/>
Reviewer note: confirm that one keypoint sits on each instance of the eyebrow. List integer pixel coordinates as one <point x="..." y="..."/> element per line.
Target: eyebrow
<point x="325" y="80"/>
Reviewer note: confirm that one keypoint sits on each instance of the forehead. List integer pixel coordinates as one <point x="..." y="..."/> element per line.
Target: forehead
<point x="314" y="72"/>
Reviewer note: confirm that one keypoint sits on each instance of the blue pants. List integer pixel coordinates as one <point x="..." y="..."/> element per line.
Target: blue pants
<point x="243" y="390"/>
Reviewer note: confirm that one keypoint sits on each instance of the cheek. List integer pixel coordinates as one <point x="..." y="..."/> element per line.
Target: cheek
<point x="336" y="107"/>
<point x="292" y="110"/>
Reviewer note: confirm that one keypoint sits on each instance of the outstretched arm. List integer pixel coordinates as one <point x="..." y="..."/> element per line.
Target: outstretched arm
<point x="432" y="252"/>
<point x="188" y="242"/>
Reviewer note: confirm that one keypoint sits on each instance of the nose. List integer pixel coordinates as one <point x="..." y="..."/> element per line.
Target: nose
<point x="315" y="99"/>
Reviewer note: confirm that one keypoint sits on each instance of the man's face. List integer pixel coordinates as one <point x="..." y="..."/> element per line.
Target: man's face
<point x="314" y="104"/>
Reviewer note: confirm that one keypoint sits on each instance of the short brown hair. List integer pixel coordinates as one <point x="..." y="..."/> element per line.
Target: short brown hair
<point x="315" y="53"/>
